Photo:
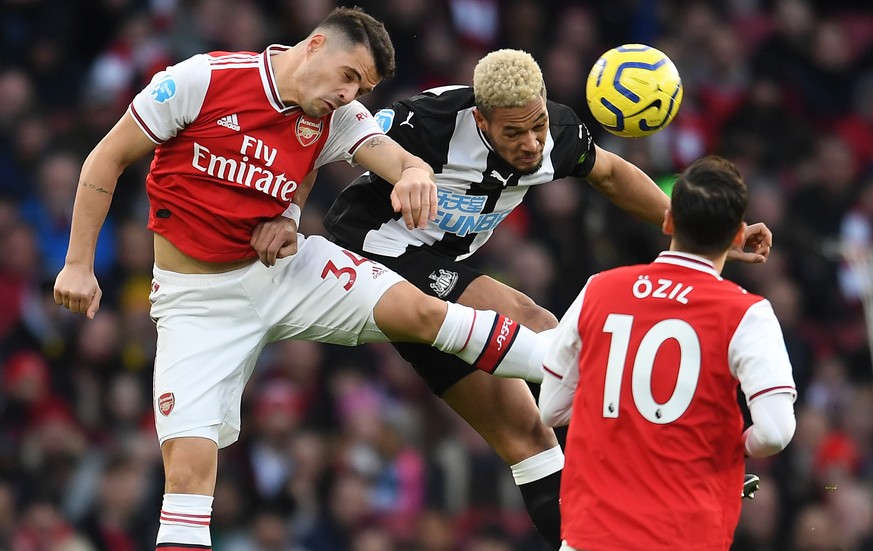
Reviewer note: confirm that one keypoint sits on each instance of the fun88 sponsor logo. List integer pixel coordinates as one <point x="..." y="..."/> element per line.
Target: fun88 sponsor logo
<point x="462" y="214"/>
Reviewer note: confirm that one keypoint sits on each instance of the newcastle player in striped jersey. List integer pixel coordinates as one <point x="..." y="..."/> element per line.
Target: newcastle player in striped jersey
<point x="487" y="145"/>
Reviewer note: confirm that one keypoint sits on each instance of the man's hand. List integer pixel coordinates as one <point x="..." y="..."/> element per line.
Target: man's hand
<point x="415" y="196"/>
<point x="759" y="239"/>
<point x="751" y="484"/>
<point x="76" y="289"/>
<point x="275" y="238"/>
<point x="415" y="192"/>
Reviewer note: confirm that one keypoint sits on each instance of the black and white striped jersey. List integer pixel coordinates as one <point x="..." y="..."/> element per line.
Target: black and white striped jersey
<point x="476" y="188"/>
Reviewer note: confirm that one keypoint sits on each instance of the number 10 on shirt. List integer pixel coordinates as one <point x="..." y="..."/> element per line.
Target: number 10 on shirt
<point x="619" y="327"/>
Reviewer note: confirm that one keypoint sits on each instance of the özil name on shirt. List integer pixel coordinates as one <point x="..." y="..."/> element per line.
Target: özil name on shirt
<point x="664" y="288"/>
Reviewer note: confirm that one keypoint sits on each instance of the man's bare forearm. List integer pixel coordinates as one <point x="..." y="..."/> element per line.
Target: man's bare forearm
<point x="93" y="198"/>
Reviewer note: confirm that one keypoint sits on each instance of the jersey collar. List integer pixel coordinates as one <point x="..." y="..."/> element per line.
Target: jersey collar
<point x="268" y="78"/>
<point x="688" y="260"/>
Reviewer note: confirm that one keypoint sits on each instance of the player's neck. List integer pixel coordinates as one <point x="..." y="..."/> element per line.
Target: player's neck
<point x="284" y="66"/>
<point x="717" y="260"/>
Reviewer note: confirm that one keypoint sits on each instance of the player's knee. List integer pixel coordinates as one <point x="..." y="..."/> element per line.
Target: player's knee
<point x="420" y="314"/>
<point x="406" y="314"/>
<point x="185" y="479"/>
<point x="428" y="314"/>
<point x="190" y="465"/>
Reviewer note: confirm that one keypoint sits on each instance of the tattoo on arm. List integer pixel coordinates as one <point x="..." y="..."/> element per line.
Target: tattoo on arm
<point x="98" y="189"/>
<point x="375" y="142"/>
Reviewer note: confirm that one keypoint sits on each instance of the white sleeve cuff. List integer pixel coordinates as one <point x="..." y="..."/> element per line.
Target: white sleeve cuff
<point x="293" y="212"/>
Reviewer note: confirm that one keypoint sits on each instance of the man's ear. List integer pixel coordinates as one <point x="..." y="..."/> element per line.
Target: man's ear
<point x="315" y="43"/>
<point x="481" y="121"/>
<point x="667" y="226"/>
<point x="740" y="237"/>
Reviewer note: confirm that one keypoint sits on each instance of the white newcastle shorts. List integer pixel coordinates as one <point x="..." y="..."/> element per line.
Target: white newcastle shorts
<point x="211" y="328"/>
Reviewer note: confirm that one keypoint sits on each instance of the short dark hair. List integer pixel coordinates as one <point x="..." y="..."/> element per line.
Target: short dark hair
<point x="360" y="28"/>
<point x="709" y="203"/>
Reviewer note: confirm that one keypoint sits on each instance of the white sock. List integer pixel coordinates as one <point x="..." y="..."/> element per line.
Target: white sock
<point x="492" y="342"/>
<point x="185" y="519"/>
<point x="544" y="341"/>
<point x="538" y="466"/>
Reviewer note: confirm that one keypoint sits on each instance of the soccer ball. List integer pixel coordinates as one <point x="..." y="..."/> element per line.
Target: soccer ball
<point x="634" y="90"/>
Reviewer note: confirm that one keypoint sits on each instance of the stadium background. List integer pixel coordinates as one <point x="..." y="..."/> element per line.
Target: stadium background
<point x="345" y="449"/>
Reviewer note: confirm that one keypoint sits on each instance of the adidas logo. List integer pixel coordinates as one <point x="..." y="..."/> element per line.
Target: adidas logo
<point x="230" y="121"/>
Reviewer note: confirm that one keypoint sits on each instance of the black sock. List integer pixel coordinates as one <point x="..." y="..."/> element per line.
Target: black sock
<point x="541" y="499"/>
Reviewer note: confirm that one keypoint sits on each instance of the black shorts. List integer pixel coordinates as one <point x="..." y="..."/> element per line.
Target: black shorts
<point x="443" y="278"/>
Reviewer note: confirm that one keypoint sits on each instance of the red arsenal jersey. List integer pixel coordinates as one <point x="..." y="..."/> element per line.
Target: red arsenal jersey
<point x="651" y="356"/>
<point x="231" y="154"/>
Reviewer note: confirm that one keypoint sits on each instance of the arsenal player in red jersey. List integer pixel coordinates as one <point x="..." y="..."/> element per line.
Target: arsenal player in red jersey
<point x="645" y="366"/>
<point x="237" y="137"/>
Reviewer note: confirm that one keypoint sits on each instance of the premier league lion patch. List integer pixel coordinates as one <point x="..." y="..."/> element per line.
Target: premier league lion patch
<point x="164" y="89"/>
<point x="384" y="118"/>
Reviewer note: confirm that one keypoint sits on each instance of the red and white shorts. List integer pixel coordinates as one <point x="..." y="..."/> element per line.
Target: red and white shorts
<point x="211" y="328"/>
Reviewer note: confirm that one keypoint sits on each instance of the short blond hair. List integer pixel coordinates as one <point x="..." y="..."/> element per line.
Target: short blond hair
<point x="507" y="78"/>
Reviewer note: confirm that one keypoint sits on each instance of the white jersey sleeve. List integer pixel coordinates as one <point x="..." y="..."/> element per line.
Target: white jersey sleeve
<point x="561" y="368"/>
<point x="350" y="127"/>
<point x="173" y="98"/>
<point x="773" y="425"/>
<point x="757" y="354"/>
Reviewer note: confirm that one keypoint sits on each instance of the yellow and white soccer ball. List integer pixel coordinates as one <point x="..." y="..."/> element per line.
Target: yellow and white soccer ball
<point x="634" y="90"/>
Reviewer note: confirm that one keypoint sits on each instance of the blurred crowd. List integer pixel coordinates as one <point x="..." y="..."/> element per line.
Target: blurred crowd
<point x="345" y="449"/>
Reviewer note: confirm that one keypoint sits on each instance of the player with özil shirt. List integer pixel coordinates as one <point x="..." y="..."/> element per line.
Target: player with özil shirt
<point x="644" y="367"/>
